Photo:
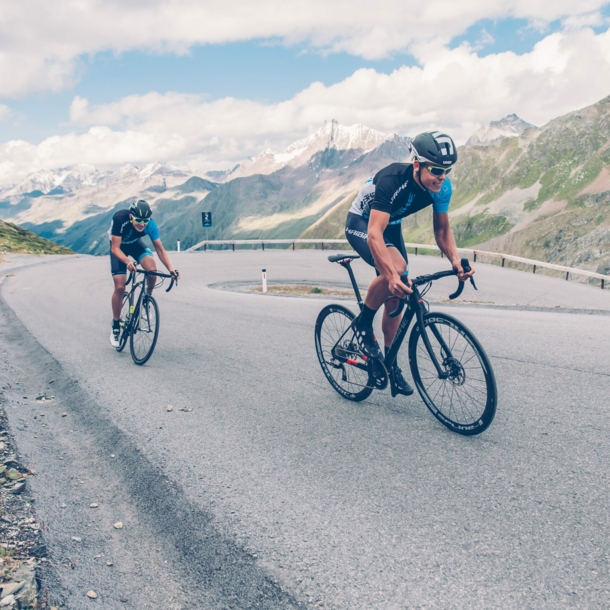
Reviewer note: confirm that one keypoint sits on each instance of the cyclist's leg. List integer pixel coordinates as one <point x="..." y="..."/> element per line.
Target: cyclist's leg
<point x="356" y="231"/>
<point x="145" y="259"/>
<point x="398" y="252"/>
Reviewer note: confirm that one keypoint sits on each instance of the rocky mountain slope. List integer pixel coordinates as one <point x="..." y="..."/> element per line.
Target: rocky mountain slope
<point x="544" y="194"/>
<point x="508" y="127"/>
<point x="15" y="239"/>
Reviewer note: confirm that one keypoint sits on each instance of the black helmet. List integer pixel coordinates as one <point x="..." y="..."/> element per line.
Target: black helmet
<point x="434" y="147"/>
<point x="140" y="209"/>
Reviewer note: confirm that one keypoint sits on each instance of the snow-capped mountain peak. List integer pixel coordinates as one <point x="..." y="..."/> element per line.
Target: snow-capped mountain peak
<point x="508" y="127"/>
<point x="65" y="178"/>
<point x="332" y="135"/>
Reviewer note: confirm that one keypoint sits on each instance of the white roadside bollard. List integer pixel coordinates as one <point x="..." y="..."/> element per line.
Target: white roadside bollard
<point x="178" y="246"/>
<point x="264" y="280"/>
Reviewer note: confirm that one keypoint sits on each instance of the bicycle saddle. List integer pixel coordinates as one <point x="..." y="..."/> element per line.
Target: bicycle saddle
<point x="337" y="258"/>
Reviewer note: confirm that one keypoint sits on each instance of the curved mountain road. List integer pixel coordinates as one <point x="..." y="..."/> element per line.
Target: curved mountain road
<point x="263" y="488"/>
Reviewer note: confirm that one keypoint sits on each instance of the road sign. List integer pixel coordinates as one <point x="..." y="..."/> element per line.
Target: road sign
<point x="206" y="219"/>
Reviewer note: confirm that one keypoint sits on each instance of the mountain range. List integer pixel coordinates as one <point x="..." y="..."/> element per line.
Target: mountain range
<point x="270" y="195"/>
<point x="542" y="192"/>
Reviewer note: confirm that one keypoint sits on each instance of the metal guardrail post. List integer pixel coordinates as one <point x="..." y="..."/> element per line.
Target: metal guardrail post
<point x="293" y="246"/>
<point x="205" y="247"/>
<point x="322" y="246"/>
<point x="503" y="259"/>
<point x="475" y="257"/>
<point x="415" y="251"/>
<point x="233" y="247"/>
<point x="263" y="245"/>
<point x="567" y="275"/>
<point x="602" y="284"/>
<point x="534" y="271"/>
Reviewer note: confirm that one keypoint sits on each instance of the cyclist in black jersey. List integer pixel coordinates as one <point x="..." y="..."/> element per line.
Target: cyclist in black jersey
<point x="125" y="234"/>
<point x="373" y="228"/>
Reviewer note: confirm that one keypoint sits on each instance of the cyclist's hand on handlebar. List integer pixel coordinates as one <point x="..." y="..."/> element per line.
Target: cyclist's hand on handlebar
<point x="131" y="266"/>
<point x="175" y="274"/>
<point x="463" y="275"/>
<point x="398" y="288"/>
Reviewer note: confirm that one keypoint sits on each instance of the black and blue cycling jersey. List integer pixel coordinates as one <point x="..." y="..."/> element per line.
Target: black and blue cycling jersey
<point x="131" y="240"/>
<point x="393" y="190"/>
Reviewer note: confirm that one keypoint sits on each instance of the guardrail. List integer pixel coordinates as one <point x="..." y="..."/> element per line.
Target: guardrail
<point x="474" y="253"/>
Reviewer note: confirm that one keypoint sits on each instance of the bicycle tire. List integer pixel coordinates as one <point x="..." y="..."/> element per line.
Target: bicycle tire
<point x="351" y="382"/>
<point x="144" y="332"/>
<point x="466" y="400"/>
<point x="125" y="323"/>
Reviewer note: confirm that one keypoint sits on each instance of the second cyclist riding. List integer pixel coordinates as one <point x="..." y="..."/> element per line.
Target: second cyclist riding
<point x="451" y="370"/>
<point x="140" y="317"/>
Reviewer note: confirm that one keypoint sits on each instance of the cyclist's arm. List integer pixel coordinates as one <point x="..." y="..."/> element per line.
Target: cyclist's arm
<point x="163" y="256"/>
<point x="378" y="222"/>
<point x="115" y="249"/>
<point x="446" y="242"/>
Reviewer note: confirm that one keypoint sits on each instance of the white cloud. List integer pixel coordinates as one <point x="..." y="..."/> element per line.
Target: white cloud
<point x="456" y="91"/>
<point x="41" y="42"/>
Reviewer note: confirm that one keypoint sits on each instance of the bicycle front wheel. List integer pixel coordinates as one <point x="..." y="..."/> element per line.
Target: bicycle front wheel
<point x="339" y="355"/>
<point x="464" y="396"/>
<point x="144" y="330"/>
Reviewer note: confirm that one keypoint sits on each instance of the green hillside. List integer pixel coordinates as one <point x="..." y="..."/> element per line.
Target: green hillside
<point x="15" y="239"/>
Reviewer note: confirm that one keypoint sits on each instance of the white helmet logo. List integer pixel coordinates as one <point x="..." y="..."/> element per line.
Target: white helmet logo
<point x="445" y="143"/>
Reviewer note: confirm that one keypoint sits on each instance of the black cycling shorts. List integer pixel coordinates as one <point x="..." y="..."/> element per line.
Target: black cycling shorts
<point x="356" y="231"/>
<point x="137" y="250"/>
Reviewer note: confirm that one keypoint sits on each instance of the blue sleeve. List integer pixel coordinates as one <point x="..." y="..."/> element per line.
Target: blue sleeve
<point x="440" y="201"/>
<point x="153" y="231"/>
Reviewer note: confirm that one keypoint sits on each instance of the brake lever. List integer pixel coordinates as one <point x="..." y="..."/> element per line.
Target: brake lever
<point x="466" y="267"/>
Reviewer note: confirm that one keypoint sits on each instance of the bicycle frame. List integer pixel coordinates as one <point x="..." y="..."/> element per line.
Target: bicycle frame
<point x="415" y="309"/>
<point x="135" y="308"/>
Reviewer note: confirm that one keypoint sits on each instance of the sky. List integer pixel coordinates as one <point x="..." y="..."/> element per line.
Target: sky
<point x="204" y="84"/>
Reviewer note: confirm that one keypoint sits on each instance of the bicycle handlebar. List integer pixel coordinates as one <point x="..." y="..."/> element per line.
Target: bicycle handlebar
<point x="425" y="279"/>
<point x="174" y="278"/>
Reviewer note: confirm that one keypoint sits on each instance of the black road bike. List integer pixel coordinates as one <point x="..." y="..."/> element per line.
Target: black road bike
<point x="140" y="317"/>
<point x="451" y="370"/>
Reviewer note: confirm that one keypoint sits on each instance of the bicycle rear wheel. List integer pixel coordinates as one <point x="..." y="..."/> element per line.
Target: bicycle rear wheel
<point x="339" y="356"/>
<point x="125" y="323"/>
<point x="144" y="330"/>
<point x="464" y="397"/>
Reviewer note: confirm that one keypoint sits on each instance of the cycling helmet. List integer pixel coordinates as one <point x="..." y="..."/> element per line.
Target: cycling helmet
<point x="140" y="209"/>
<point x="434" y="147"/>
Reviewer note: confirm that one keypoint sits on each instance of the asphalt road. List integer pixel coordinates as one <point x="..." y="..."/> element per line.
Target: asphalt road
<point x="271" y="491"/>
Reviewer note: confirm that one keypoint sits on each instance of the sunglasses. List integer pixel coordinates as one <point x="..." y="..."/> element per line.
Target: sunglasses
<point x="438" y="171"/>
<point x="141" y="221"/>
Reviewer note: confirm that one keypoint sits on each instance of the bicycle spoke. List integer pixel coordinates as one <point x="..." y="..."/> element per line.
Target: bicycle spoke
<point x="334" y="346"/>
<point x="463" y="397"/>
